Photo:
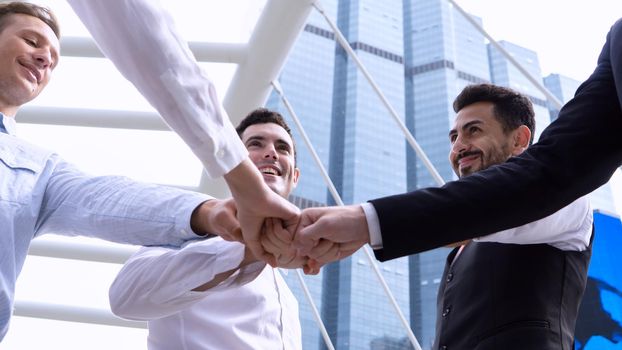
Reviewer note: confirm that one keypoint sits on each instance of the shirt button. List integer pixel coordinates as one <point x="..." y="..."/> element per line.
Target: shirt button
<point x="443" y="347"/>
<point x="220" y="153"/>
<point x="446" y="312"/>
<point x="450" y="276"/>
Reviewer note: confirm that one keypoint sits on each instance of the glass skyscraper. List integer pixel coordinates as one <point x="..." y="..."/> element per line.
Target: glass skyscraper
<point x="443" y="54"/>
<point x="363" y="150"/>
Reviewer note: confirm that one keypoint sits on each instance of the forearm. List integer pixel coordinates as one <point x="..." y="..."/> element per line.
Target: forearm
<point x="140" y="38"/>
<point x="248" y="259"/>
<point x="157" y="282"/>
<point x="116" y="209"/>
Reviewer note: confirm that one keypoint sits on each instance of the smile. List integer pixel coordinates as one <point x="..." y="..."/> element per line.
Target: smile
<point x="34" y="74"/>
<point x="269" y="170"/>
<point x="468" y="159"/>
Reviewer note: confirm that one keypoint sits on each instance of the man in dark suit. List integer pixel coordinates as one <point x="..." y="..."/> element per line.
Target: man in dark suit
<point x="576" y="154"/>
<point x="519" y="288"/>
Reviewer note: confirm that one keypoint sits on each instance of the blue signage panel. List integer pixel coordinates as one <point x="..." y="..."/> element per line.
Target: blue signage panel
<point x="599" y="326"/>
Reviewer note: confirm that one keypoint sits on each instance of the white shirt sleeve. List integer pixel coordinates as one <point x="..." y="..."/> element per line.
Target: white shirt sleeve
<point x="140" y="38"/>
<point x="570" y="228"/>
<point x="157" y="282"/>
<point x="373" y="225"/>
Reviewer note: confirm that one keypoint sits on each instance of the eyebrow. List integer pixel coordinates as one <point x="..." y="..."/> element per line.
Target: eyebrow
<point x="262" y="138"/>
<point x="465" y="126"/>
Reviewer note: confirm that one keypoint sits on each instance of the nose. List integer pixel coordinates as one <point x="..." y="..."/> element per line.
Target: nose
<point x="43" y="58"/>
<point x="459" y="146"/>
<point x="271" y="152"/>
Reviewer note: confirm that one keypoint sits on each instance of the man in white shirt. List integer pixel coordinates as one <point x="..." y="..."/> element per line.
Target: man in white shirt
<point x="213" y="294"/>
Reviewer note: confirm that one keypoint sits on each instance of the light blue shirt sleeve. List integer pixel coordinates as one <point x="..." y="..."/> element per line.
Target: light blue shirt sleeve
<point x="40" y="193"/>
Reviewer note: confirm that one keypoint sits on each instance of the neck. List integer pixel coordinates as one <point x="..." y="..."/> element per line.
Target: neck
<point x="8" y="111"/>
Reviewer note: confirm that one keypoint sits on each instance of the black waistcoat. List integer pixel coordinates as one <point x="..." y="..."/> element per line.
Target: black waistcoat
<point x="509" y="296"/>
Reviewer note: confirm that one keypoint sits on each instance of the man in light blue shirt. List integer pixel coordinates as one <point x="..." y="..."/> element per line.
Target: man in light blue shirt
<point x="40" y="193"/>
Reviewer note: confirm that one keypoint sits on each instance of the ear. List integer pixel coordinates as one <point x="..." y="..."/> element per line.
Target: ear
<point x="296" y="176"/>
<point x="522" y="136"/>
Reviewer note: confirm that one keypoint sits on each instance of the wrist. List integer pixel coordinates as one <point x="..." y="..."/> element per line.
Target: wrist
<point x="248" y="258"/>
<point x="244" y="179"/>
<point x="199" y="222"/>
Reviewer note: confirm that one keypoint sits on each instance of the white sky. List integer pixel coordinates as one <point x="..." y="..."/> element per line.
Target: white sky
<point x="567" y="35"/>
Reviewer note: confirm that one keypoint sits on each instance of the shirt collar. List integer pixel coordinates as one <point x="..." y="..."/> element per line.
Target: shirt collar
<point x="9" y="124"/>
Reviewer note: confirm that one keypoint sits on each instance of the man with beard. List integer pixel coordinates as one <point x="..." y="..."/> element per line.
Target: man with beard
<point x="519" y="288"/>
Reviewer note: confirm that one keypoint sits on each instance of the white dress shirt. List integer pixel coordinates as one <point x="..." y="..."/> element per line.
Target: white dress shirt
<point x="40" y="193"/>
<point x="569" y="228"/>
<point x="252" y="309"/>
<point x="139" y="37"/>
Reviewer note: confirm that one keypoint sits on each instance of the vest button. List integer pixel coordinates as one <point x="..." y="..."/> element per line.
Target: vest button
<point x="450" y="276"/>
<point x="446" y="311"/>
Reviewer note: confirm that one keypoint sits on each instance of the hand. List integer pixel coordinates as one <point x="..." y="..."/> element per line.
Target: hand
<point x="255" y="202"/>
<point x="277" y="241"/>
<point x="331" y="233"/>
<point x="217" y="217"/>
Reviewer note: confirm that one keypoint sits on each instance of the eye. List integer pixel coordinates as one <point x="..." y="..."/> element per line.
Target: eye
<point x="31" y="42"/>
<point x="474" y="129"/>
<point x="284" y="148"/>
<point x="452" y="138"/>
<point x="253" y="143"/>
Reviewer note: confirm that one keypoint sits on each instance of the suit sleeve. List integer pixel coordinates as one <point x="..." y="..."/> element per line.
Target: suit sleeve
<point x="576" y="154"/>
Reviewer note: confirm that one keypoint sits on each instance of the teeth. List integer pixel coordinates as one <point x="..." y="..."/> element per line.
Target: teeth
<point x="268" y="171"/>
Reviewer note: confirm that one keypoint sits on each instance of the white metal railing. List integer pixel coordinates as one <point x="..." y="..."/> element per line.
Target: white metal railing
<point x="76" y="251"/>
<point x="81" y="251"/>
<point x="72" y="313"/>
<point x="206" y="52"/>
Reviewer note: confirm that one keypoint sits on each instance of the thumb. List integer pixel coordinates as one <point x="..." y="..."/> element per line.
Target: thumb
<point x="308" y="232"/>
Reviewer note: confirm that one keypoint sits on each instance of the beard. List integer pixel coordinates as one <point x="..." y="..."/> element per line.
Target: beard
<point x="492" y="157"/>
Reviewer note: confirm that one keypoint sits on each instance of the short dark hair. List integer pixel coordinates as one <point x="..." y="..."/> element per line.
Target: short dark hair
<point x="25" y="8"/>
<point x="265" y="116"/>
<point x="512" y="109"/>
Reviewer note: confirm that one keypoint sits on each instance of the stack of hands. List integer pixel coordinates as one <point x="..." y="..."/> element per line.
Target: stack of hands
<point x="278" y="233"/>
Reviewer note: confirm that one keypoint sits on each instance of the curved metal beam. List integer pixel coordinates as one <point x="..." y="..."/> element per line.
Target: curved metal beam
<point x="274" y="35"/>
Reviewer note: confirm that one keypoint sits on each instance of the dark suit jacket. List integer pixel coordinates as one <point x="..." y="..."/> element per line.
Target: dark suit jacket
<point x="576" y="154"/>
